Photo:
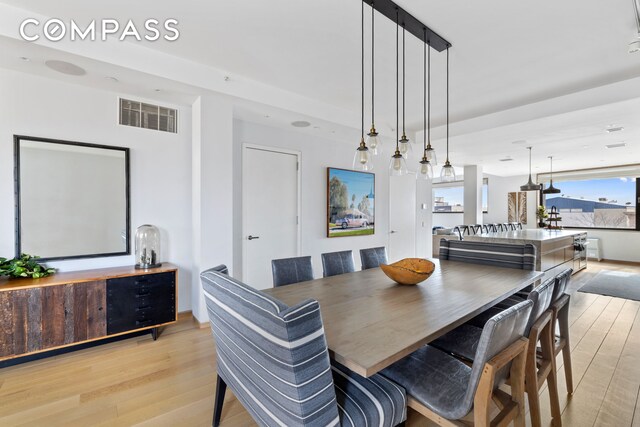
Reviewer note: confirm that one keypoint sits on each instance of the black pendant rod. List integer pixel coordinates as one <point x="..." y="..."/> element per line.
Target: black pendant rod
<point x="388" y="8"/>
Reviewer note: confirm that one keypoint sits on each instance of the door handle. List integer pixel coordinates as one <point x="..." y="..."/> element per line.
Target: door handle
<point x="393" y="232"/>
<point x="253" y="237"/>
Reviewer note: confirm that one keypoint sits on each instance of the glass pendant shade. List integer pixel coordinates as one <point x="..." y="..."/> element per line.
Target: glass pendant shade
<point x="397" y="165"/>
<point x="447" y="174"/>
<point x="425" y="171"/>
<point x="405" y="146"/>
<point x="373" y="141"/>
<point x="430" y="154"/>
<point x="362" y="158"/>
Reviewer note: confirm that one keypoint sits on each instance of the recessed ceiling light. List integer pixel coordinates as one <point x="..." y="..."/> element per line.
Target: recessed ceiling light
<point x="65" y="68"/>
<point x="612" y="129"/>
<point x="618" y="145"/>
<point x="300" y="124"/>
<point x="113" y="79"/>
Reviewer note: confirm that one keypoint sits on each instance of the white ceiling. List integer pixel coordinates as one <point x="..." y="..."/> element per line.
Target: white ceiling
<point x="505" y="55"/>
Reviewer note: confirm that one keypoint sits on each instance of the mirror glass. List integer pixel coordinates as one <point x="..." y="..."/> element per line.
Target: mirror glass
<point x="72" y="199"/>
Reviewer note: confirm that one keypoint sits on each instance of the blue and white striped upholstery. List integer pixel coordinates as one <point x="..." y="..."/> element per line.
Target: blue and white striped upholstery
<point x="521" y="257"/>
<point x="275" y="360"/>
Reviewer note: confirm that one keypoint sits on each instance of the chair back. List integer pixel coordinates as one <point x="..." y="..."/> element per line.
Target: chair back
<point x="541" y="298"/>
<point x="521" y="257"/>
<point x="373" y="257"/>
<point x="498" y="333"/>
<point x="291" y="270"/>
<point x="219" y="268"/>
<point x="561" y="282"/>
<point x="273" y="357"/>
<point x="334" y="263"/>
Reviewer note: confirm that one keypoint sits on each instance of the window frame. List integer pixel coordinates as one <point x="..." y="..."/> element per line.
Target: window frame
<point x="540" y="178"/>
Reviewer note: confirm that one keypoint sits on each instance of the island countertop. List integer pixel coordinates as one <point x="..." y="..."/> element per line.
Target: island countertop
<point x="524" y="236"/>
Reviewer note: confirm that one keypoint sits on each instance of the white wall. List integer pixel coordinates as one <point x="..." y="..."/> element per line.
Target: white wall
<point x="160" y="162"/>
<point x="318" y="153"/>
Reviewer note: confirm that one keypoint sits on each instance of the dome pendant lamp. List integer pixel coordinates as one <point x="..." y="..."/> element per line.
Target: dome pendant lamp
<point x="397" y="165"/>
<point x="447" y="174"/>
<point x="362" y="159"/>
<point x="405" y="147"/>
<point x="551" y="189"/>
<point x="426" y="169"/>
<point x="373" y="141"/>
<point x="530" y="186"/>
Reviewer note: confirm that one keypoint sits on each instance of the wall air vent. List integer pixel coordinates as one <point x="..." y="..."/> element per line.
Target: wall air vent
<point x="148" y="116"/>
<point x="619" y="145"/>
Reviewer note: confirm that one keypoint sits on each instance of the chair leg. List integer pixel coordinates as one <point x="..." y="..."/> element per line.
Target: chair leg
<point x="548" y="353"/>
<point x="221" y="387"/>
<point x="563" y="320"/>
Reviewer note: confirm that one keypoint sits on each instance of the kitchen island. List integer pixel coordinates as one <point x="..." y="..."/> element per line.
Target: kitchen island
<point x="555" y="249"/>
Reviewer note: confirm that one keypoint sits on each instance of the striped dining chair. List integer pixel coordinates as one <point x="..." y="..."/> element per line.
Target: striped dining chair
<point x="275" y="360"/>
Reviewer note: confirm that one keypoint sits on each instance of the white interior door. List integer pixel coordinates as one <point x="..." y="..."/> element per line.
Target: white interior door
<point x="270" y="212"/>
<point x="402" y="217"/>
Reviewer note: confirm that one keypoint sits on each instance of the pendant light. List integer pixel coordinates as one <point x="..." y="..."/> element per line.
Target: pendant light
<point x="397" y="165"/>
<point x="447" y="174"/>
<point x="551" y="189"/>
<point x="362" y="158"/>
<point x="373" y="141"/>
<point x="530" y="186"/>
<point x="426" y="170"/>
<point x="405" y="147"/>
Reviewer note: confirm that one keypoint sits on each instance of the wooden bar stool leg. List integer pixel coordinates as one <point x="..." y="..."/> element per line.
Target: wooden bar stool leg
<point x="548" y="353"/>
<point x="563" y="320"/>
<point x="531" y="381"/>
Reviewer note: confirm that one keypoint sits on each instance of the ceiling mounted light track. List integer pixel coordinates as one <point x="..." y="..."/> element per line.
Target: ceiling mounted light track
<point x="362" y="158"/>
<point x="530" y="186"/>
<point x="551" y="189"/>
<point x="397" y="165"/>
<point x="426" y="169"/>
<point x="413" y="25"/>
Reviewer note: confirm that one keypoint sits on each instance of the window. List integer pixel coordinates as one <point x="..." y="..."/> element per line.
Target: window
<point x="449" y="197"/>
<point x="148" y="116"/>
<point x="605" y="198"/>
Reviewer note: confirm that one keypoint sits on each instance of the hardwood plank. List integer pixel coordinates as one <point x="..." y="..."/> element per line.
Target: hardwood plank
<point x="69" y="314"/>
<point x="52" y="316"/>
<point x="96" y="309"/>
<point x="20" y="321"/>
<point x="80" y="311"/>
<point x="34" y="319"/>
<point x="6" y="323"/>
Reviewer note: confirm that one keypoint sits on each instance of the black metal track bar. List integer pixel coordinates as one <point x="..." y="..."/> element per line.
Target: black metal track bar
<point x="410" y="22"/>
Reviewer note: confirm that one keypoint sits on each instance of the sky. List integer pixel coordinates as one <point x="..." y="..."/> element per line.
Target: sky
<point x="455" y="195"/>
<point x="358" y="183"/>
<point x="621" y="189"/>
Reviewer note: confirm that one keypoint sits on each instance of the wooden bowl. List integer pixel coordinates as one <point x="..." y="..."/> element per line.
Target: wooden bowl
<point x="409" y="271"/>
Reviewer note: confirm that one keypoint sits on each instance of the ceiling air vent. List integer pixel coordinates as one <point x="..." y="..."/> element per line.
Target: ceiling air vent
<point x="148" y="116"/>
<point x="506" y="159"/>
<point x="614" y="129"/>
<point x="619" y="145"/>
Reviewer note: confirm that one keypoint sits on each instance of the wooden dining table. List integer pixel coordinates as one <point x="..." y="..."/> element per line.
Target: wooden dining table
<point x="371" y="322"/>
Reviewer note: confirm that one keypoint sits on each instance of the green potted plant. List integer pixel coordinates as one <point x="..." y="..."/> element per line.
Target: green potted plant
<point x="542" y="214"/>
<point x="24" y="266"/>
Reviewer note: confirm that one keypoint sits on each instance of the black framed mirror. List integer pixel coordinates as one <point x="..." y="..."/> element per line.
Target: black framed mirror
<point x="71" y="199"/>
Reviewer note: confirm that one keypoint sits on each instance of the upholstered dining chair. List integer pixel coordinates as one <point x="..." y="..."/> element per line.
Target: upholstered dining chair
<point x="219" y="268"/>
<point x="463" y="341"/>
<point x="443" y="388"/>
<point x="275" y="360"/>
<point x="334" y="263"/>
<point x="291" y="270"/>
<point x="373" y="257"/>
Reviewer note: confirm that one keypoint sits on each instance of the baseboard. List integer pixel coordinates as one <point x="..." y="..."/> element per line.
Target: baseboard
<point x="615" y="261"/>
<point x="188" y="315"/>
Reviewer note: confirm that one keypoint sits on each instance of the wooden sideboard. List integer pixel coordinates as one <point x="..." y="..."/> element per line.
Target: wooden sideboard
<point x="70" y="308"/>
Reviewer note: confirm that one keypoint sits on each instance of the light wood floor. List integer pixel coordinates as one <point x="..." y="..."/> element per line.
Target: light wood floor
<point x="170" y="382"/>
